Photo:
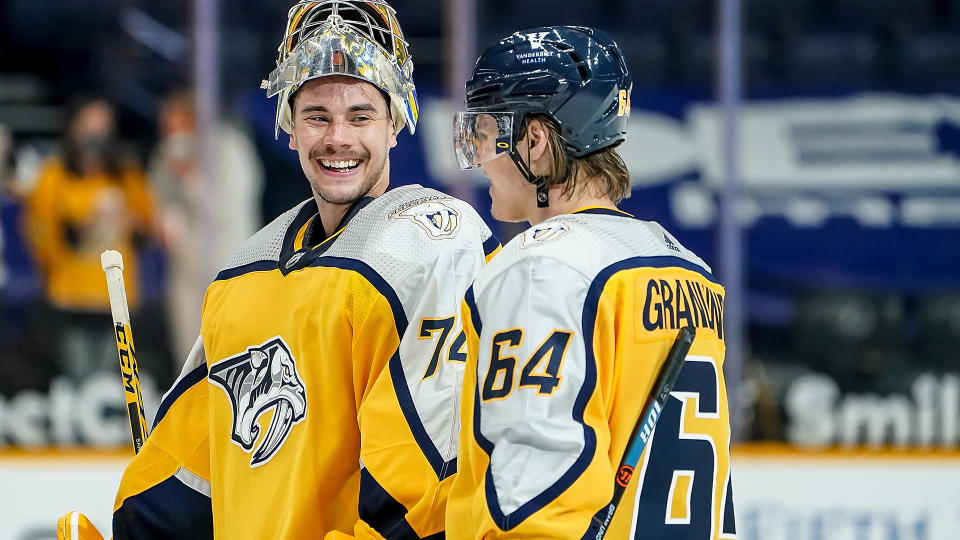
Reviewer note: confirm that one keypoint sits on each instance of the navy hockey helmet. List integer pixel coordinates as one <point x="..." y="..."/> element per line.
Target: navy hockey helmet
<point x="575" y="75"/>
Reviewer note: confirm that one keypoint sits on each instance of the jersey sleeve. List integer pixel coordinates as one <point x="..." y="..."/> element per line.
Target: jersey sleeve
<point x="165" y="491"/>
<point x="533" y="448"/>
<point x="408" y="413"/>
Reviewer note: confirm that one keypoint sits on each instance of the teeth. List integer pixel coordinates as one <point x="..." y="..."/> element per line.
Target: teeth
<point x="339" y="164"/>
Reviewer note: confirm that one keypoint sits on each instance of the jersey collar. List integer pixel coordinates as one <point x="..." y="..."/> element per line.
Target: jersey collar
<point x="602" y="211"/>
<point x="306" y="240"/>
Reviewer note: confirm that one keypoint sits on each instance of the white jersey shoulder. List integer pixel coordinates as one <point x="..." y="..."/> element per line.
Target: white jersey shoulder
<point x="412" y="215"/>
<point x="267" y="243"/>
<point x="426" y="245"/>
<point x="587" y="243"/>
<point x="410" y="227"/>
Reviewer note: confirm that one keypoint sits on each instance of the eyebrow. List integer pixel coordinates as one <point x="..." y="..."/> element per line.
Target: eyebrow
<point x="352" y="108"/>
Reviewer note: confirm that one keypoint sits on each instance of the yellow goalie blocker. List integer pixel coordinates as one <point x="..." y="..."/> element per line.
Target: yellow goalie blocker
<point x="76" y="526"/>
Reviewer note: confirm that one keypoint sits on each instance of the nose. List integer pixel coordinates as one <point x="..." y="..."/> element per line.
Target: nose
<point x="338" y="134"/>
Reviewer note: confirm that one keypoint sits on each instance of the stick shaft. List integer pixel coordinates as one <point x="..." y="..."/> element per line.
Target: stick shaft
<point x="652" y="407"/>
<point x="113" y="267"/>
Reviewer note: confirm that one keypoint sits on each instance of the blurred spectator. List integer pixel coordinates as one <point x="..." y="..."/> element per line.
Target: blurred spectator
<point x="230" y="218"/>
<point x="87" y="199"/>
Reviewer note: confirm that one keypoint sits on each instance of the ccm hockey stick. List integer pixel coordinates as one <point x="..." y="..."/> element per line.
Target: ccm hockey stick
<point x="652" y="408"/>
<point x="112" y="263"/>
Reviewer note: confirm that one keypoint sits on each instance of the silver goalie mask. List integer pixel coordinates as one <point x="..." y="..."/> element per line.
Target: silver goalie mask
<point x="343" y="37"/>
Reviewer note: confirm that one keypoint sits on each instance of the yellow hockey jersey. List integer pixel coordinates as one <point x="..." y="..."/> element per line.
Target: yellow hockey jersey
<point x="566" y="330"/>
<point x="322" y="399"/>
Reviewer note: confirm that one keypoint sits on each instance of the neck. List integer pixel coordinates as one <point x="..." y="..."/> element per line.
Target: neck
<point x="582" y="197"/>
<point x="331" y="214"/>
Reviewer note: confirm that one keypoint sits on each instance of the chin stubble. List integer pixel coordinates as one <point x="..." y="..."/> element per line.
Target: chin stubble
<point x="370" y="180"/>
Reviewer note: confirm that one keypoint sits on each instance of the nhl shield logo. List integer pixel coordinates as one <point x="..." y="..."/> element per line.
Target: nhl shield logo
<point x="438" y="219"/>
<point x="261" y="379"/>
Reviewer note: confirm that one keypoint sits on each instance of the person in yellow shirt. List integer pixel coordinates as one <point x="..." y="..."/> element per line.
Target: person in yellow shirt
<point x="568" y="326"/>
<point x="87" y="199"/>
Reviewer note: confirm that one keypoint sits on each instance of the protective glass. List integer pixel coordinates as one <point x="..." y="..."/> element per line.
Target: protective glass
<point x="479" y="137"/>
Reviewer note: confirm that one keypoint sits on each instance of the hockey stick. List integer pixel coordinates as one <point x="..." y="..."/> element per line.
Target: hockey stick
<point x="112" y="263"/>
<point x="652" y="408"/>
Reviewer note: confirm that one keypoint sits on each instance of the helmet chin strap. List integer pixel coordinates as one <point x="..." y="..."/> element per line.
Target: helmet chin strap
<point x="543" y="196"/>
<point x="543" y="191"/>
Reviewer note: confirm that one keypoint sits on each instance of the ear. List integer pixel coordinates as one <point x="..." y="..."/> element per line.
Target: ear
<point x="293" y="141"/>
<point x="392" y="137"/>
<point x="539" y="139"/>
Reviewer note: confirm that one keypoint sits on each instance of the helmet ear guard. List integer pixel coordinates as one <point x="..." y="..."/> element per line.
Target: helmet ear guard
<point x="344" y="37"/>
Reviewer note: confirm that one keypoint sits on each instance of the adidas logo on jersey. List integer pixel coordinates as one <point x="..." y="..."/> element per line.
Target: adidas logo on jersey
<point x="437" y="218"/>
<point x="256" y="381"/>
<point x="670" y="243"/>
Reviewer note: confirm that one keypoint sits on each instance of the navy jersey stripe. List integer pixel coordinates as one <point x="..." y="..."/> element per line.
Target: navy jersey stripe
<point x="374" y="279"/>
<point x="666" y="261"/>
<point x="168" y="510"/>
<point x="186" y="382"/>
<point x="442" y="468"/>
<point x="605" y="212"/>
<point x="490" y="245"/>
<point x="384" y="513"/>
<point x="258" y="266"/>
<point x="474" y="314"/>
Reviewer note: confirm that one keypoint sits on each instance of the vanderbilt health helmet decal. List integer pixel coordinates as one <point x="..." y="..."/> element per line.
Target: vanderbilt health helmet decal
<point x="256" y="381"/>
<point x="438" y="219"/>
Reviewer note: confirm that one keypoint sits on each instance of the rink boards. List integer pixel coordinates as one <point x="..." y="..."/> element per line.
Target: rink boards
<point x="780" y="493"/>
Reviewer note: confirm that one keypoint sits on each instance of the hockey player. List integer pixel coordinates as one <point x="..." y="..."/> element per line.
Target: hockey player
<point x="322" y="398"/>
<point x="568" y="326"/>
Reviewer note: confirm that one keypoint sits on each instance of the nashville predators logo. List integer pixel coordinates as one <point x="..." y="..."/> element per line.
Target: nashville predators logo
<point x="540" y="234"/>
<point x="262" y="379"/>
<point x="438" y="219"/>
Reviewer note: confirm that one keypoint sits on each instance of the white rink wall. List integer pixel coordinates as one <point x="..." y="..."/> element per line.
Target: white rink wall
<point x="859" y="495"/>
<point x="39" y="487"/>
<point x="780" y="493"/>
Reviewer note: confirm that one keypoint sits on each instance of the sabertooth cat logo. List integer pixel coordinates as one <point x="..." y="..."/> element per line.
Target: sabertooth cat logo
<point x="438" y="219"/>
<point x="263" y="378"/>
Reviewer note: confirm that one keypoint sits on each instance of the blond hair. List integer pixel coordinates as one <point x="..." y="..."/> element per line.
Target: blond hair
<point x="605" y="170"/>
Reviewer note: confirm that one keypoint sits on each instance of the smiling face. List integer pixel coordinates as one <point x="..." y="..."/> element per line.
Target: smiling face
<point x="343" y="133"/>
